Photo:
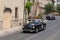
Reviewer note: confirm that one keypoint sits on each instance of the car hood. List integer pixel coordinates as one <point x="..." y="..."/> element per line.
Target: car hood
<point x="30" y="25"/>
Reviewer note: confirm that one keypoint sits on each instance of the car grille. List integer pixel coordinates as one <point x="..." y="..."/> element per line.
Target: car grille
<point x="28" y="28"/>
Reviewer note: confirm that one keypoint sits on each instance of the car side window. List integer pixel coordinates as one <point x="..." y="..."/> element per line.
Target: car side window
<point x="38" y="22"/>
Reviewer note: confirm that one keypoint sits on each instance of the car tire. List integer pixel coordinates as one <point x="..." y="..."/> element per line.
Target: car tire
<point x="24" y="31"/>
<point x="44" y="26"/>
<point x="37" y="30"/>
<point x="54" y="18"/>
<point x="46" y="18"/>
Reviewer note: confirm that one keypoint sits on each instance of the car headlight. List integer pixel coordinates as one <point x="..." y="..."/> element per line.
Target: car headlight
<point x="33" y="27"/>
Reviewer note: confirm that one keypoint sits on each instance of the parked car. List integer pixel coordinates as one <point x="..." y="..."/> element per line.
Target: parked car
<point x="35" y="26"/>
<point x="50" y="17"/>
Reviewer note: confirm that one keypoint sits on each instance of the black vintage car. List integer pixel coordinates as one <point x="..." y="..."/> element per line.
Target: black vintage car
<point x="50" y="17"/>
<point x="34" y="26"/>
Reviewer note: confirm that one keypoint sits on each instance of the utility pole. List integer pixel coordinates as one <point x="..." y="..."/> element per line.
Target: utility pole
<point x="32" y="14"/>
<point x="36" y="4"/>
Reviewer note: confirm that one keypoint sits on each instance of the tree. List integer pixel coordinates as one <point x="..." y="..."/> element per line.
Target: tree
<point x="58" y="9"/>
<point x="49" y="8"/>
<point x="28" y="6"/>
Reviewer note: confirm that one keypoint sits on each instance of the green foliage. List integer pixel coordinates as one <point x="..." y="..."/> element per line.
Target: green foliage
<point x="58" y="8"/>
<point x="49" y="8"/>
<point x="40" y="15"/>
<point x="28" y="6"/>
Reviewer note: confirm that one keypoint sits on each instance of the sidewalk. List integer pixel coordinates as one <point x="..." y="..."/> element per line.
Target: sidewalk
<point x="9" y="31"/>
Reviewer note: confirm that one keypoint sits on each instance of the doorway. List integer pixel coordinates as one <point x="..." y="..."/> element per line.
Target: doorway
<point x="7" y="18"/>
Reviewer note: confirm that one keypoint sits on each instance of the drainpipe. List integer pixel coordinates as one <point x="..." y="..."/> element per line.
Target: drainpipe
<point x="24" y="15"/>
<point x="36" y="7"/>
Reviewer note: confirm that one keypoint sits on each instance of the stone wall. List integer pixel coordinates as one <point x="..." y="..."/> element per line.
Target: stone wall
<point x="12" y="4"/>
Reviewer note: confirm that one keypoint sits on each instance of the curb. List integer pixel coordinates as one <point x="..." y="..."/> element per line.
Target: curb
<point x="9" y="31"/>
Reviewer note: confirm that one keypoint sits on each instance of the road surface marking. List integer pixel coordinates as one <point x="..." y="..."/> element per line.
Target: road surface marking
<point x="53" y="36"/>
<point x="42" y="32"/>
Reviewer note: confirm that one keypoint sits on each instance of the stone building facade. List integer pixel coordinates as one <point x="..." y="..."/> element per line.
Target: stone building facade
<point x="17" y="7"/>
<point x="39" y="5"/>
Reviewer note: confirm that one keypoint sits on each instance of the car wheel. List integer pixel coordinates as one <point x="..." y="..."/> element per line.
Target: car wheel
<point x="24" y="31"/>
<point x="44" y="26"/>
<point x="46" y="18"/>
<point x="54" y="18"/>
<point x="36" y="30"/>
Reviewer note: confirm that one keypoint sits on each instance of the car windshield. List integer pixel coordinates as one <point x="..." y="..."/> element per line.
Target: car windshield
<point x="50" y="14"/>
<point x="36" y="21"/>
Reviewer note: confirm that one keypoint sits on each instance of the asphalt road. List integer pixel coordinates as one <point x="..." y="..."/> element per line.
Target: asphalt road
<point x="51" y="33"/>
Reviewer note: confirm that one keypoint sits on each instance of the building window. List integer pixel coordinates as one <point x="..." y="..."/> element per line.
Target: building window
<point x="16" y="12"/>
<point x="58" y="0"/>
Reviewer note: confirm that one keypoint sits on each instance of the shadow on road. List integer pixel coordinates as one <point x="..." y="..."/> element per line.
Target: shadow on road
<point x="31" y="32"/>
